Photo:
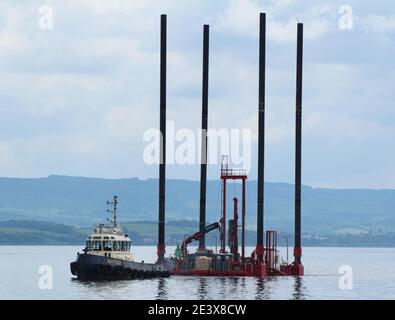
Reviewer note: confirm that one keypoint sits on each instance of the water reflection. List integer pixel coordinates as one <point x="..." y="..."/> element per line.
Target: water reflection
<point x="234" y="284"/>
<point x="202" y="289"/>
<point x="223" y="286"/>
<point x="299" y="289"/>
<point x="262" y="292"/>
<point x="243" y="284"/>
<point x="162" y="289"/>
<point x="100" y="289"/>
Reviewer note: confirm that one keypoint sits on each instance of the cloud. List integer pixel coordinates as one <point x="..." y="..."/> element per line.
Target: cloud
<point x="77" y="99"/>
<point x="241" y="18"/>
<point x="378" y="24"/>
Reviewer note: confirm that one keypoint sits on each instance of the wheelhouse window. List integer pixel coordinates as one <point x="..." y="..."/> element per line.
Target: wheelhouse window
<point x="115" y="246"/>
<point x="121" y="245"/>
<point x="97" y="245"/>
<point x="107" y="245"/>
<point x="89" y="245"/>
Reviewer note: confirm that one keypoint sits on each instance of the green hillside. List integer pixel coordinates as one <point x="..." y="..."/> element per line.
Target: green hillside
<point x="23" y="232"/>
<point x="81" y="202"/>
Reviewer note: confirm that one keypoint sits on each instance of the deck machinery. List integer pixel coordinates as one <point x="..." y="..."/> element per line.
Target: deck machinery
<point x="264" y="260"/>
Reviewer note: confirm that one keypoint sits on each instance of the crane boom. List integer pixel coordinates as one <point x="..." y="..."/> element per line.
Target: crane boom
<point x="198" y="235"/>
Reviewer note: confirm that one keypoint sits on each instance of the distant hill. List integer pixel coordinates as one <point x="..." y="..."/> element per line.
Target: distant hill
<point x="81" y="201"/>
<point x="38" y="233"/>
<point x="22" y="232"/>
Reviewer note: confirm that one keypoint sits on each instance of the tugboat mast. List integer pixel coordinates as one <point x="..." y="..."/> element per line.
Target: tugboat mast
<point x="114" y="202"/>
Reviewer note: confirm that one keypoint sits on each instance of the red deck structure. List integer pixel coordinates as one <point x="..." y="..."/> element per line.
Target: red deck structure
<point x="230" y="262"/>
<point x="232" y="174"/>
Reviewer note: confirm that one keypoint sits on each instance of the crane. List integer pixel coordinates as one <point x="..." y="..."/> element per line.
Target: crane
<point x="182" y="252"/>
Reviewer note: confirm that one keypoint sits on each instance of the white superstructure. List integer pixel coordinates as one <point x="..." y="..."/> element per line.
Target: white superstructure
<point x="109" y="242"/>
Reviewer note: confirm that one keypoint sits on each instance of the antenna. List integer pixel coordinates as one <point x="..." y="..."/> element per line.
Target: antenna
<point x="114" y="202"/>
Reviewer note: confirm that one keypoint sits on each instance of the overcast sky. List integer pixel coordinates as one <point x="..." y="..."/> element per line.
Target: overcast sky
<point x="77" y="99"/>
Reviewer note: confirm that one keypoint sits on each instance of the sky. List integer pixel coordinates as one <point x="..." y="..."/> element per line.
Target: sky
<point x="77" y="98"/>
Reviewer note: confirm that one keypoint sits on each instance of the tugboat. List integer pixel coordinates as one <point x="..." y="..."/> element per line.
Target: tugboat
<point x="107" y="255"/>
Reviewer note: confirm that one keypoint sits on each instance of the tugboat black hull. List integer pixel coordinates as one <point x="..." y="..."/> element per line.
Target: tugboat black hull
<point x="94" y="267"/>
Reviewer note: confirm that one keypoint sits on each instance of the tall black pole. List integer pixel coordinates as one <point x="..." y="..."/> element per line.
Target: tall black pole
<point x="162" y="164"/>
<point x="203" y="164"/>
<point x="261" y="135"/>
<point x="298" y="145"/>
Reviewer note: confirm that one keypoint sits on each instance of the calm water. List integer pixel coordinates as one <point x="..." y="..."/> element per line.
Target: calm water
<point x="373" y="278"/>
